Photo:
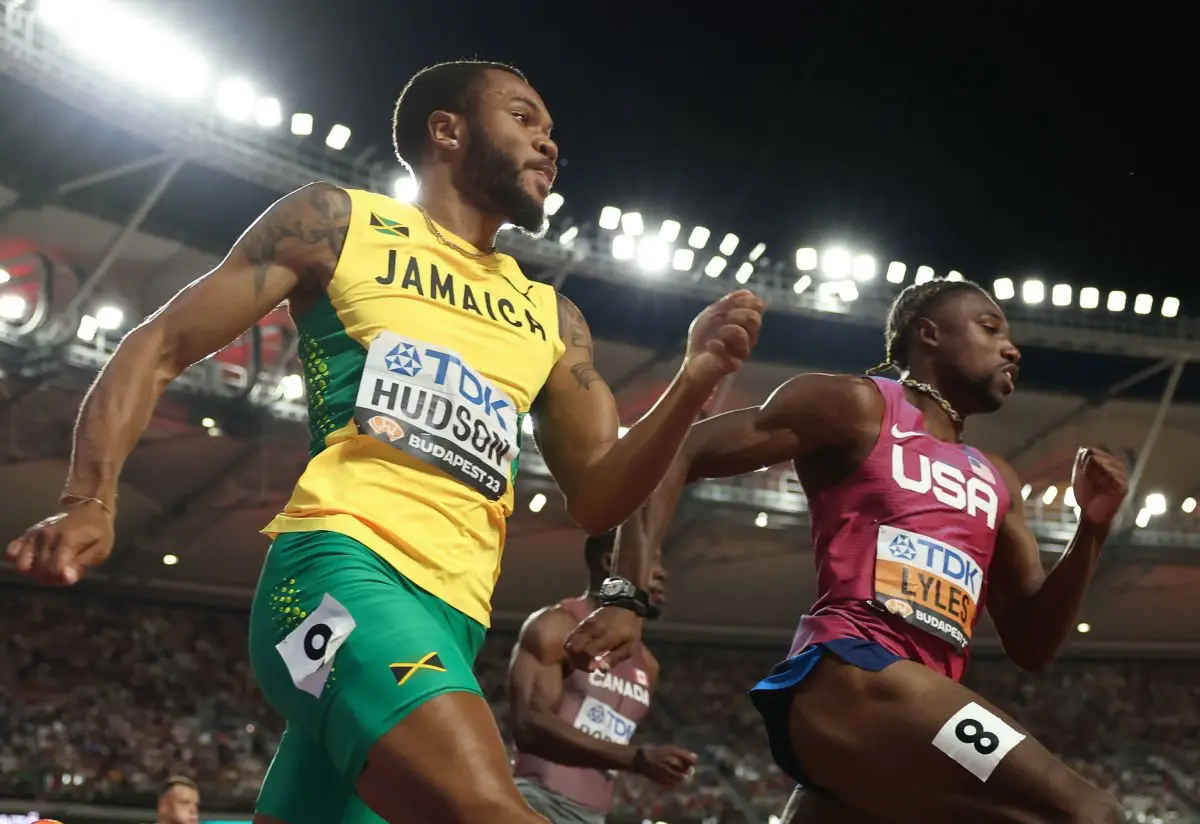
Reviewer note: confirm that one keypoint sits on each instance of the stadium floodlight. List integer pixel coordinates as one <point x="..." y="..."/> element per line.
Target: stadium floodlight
<point x="682" y="260"/>
<point x="624" y="247"/>
<point x="653" y="254"/>
<point x="954" y="274"/>
<point x="924" y="274"/>
<point x="698" y="238"/>
<point x="87" y="329"/>
<point x="1170" y="307"/>
<point x="302" y="124"/>
<point x="127" y="46"/>
<point x="757" y="252"/>
<point x="1089" y="297"/>
<point x="744" y="272"/>
<point x="405" y="188"/>
<point x="1025" y="490"/>
<point x="12" y="307"/>
<point x="1188" y="505"/>
<point x="715" y="267"/>
<point x="338" y="137"/>
<point x="669" y="230"/>
<point x="896" y="271"/>
<point x="806" y="259"/>
<point x="1143" y="518"/>
<point x="1033" y="291"/>
<point x="729" y="244"/>
<point x="554" y="201"/>
<point x="236" y="99"/>
<point x="802" y="283"/>
<point x="537" y="502"/>
<point x="1156" y="503"/>
<point x="170" y="559"/>
<point x="848" y="291"/>
<point x="631" y="224"/>
<point x="864" y="267"/>
<point x="568" y="235"/>
<point x="109" y="318"/>
<point x="1084" y="627"/>
<point x="836" y="263"/>
<point x="761" y="520"/>
<point x="1116" y="301"/>
<point x="1060" y="294"/>
<point x="292" y="387"/>
<point x="268" y="113"/>
<point x="1003" y="289"/>
<point x="1143" y="304"/>
<point x="1049" y="495"/>
<point x="610" y="218"/>
<point x="208" y="423"/>
<point x="5" y="277"/>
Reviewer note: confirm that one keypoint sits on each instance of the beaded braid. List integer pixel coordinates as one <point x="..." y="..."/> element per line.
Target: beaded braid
<point x="907" y="307"/>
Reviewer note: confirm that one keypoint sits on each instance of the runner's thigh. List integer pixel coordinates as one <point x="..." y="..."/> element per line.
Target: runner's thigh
<point x="914" y="747"/>
<point x="445" y="763"/>
<point x="302" y="785"/>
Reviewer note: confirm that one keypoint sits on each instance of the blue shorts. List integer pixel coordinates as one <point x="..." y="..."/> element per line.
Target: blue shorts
<point x="772" y="696"/>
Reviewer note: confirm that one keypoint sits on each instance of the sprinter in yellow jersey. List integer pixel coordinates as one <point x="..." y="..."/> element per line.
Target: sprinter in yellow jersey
<point x="423" y="348"/>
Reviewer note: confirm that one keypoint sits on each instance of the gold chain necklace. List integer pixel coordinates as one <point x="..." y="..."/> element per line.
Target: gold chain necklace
<point x="926" y="389"/>
<point x="445" y="241"/>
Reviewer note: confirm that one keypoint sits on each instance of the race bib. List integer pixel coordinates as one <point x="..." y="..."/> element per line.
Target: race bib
<point x="928" y="583"/>
<point x="599" y="720"/>
<point x="428" y="402"/>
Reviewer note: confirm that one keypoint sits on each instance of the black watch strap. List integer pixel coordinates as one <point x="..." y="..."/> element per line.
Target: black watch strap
<point x="638" y="602"/>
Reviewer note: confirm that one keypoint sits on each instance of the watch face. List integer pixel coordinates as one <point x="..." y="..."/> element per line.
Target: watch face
<point x="615" y="588"/>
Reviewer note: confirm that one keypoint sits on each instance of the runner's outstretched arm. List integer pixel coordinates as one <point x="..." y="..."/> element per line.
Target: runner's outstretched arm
<point x="278" y="257"/>
<point x="605" y="478"/>
<point x="804" y="414"/>
<point x="536" y="690"/>
<point x="1034" y="612"/>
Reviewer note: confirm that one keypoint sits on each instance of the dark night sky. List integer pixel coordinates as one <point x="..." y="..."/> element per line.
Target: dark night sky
<point x="1051" y="140"/>
<point x="1014" y="141"/>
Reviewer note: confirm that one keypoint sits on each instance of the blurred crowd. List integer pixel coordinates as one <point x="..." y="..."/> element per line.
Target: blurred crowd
<point x="101" y="699"/>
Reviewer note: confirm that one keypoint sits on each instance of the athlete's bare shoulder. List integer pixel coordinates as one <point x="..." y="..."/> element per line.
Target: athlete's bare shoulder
<point x="304" y="231"/>
<point x="835" y="402"/>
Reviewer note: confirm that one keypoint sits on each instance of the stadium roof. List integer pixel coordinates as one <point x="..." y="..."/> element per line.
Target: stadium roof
<point x="870" y="133"/>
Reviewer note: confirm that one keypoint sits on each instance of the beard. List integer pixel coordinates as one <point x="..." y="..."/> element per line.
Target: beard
<point x="494" y="181"/>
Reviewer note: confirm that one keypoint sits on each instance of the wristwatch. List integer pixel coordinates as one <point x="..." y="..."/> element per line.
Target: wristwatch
<point x="620" y="592"/>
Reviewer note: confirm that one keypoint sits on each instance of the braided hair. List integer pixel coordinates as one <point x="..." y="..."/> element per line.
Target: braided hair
<point x="910" y="305"/>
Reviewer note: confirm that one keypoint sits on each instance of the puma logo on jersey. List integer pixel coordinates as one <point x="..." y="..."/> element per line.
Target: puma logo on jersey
<point x="947" y="484"/>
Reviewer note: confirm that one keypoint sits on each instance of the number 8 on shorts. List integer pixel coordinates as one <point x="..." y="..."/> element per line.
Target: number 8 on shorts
<point x="977" y="739"/>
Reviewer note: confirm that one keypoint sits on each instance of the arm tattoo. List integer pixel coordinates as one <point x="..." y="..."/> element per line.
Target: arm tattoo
<point x="573" y="330"/>
<point x="318" y="219"/>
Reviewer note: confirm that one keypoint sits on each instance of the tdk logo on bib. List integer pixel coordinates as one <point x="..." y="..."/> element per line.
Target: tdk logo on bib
<point x="428" y="402"/>
<point x="902" y="547"/>
<point x="403" y="360"/>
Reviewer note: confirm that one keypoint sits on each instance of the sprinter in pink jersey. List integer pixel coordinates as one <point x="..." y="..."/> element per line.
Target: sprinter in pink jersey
<point x="913" y="533"/>
<point x="573" y="726"/>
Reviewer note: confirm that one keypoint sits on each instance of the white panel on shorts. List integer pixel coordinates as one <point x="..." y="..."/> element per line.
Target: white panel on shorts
<point x="977" y="739"/>
<point x="309" y="649"/>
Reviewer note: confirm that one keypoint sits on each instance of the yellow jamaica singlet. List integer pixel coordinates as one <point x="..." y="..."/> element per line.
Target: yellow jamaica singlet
<point x="420" y="365"/>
